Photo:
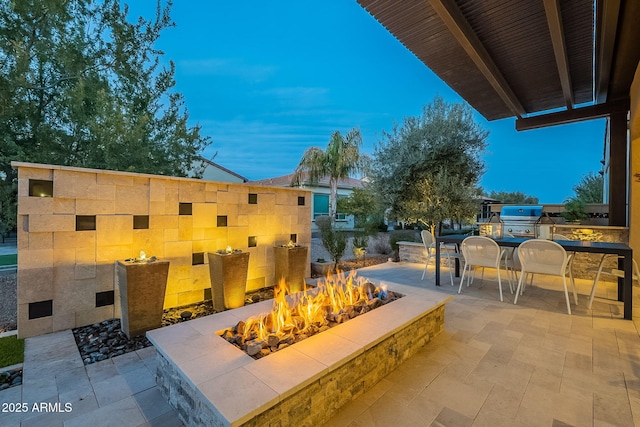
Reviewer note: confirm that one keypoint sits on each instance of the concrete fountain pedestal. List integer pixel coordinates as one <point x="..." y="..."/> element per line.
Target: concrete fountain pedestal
<point x="142" y="287"/>
<point x="211" y="382"/>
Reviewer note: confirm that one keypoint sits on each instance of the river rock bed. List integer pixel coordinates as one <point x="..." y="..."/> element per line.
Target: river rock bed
<point x="10" y="378"/>
<point x="105" y="339"/>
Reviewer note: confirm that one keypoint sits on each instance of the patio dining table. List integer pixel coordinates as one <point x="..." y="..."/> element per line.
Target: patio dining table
<point x="623" y="251"/>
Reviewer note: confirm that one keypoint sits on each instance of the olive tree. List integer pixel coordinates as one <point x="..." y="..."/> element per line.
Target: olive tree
<point x="427" y="169"/>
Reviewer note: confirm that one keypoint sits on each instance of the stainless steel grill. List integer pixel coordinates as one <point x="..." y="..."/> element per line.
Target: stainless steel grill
<point x="519" y="221"/>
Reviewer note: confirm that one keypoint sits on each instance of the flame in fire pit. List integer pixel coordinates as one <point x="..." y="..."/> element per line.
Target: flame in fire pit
<point x="310" y="308"/>
<point x="298" y="316"/>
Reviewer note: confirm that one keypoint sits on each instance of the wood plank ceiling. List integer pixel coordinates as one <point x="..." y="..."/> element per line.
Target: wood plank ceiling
<point x="514" y="58"/>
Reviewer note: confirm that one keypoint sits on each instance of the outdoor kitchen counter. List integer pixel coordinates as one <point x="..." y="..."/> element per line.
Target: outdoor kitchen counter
<point x="601" y="233"/>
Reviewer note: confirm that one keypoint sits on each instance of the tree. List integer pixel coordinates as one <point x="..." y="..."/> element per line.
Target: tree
<point x="341" y="159"/>
<point x="516" y="197"/>
<point x="590" y="188"/>
<point x="82" y="86"/>
<point x="427" y="169"/>
<point x="365" y="207"/>
<point x="574" y="210"/>
<point x="435" y="199"/>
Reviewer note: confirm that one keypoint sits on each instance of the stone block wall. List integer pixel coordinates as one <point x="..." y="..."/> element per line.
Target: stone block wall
<point x="74" y="223"/>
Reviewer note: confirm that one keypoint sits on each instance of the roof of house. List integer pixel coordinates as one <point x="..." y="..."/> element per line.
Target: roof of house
<point x="222" y="168"/>
<point x="285" y="181"/>
<point x="516" y="58"/>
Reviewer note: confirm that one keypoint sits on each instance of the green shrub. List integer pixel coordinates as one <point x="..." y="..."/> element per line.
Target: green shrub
<point x="381" y="245"/>
<point x="361" y="239"/>
<point x="574" y="210"/>
<point x="334" y="241"/>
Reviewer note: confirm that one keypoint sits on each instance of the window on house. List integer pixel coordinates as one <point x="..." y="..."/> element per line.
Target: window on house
<point x="321" y="207"/>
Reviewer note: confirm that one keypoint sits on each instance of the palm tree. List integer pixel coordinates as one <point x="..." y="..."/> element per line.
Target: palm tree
<point x="341" y="159"/>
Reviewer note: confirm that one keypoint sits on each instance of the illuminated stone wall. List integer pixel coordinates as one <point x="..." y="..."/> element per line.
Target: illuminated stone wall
<point x="73" y="224"/>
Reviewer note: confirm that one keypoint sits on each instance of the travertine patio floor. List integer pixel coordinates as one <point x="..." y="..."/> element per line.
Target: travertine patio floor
<point x="499" y="364"/>
<point x="496" y="364"/>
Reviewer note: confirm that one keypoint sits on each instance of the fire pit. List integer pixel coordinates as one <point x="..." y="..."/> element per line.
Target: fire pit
<point x="296" y="317"/>
<point x="212" y="382"/>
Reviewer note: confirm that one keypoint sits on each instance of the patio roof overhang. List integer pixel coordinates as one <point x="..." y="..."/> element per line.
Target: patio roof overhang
<point x="544" y="62"/>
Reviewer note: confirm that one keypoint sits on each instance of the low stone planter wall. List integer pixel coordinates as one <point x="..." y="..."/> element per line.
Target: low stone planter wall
<point x="415" y="252"/>
<point x="321" y="269"/>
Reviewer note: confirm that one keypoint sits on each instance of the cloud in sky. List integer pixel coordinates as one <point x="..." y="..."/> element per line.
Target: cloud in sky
<point x="299" y="98"/>
<point x="270" y="80"/>
<point x="259" y="149"/>
<point x="229" y="67"/>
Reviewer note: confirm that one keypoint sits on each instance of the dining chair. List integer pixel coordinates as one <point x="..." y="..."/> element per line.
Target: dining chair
<point x="445" y="251"/>
<point x="571" y="255"/>
<point x="513" y="265"/>
<point x="611" y="272"/>
<point x="541" y="256"/>
<point x="480" y="251"/>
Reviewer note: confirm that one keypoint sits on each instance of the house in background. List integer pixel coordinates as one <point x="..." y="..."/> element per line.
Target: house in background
<point x="320" y="199"/>
<point x="215" y="172"/>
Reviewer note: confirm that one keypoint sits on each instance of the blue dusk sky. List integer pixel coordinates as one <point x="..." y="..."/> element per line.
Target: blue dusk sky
<point x="267" y="80"/>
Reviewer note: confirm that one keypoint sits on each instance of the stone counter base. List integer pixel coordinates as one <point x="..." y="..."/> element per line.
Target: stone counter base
<point x="416" y="253"/>
<point x="254" y="392"/>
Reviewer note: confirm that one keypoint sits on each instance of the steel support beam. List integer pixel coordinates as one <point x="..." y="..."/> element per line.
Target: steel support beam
<point x="607" y="28"/>
<point x="618" y="170"/>
<point x="572" y="116"/>
<point x="455" y="21"/>
<point x="554" y="21"/>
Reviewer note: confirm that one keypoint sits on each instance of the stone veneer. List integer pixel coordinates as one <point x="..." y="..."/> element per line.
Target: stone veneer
<point x="66" y="276"/>
<point x="415" y="252"/>
<point x="211" y="382"/>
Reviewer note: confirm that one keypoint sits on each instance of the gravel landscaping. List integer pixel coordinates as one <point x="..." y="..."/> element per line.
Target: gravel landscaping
<point x="105" y="340"/>
<point x="8" y="301"/>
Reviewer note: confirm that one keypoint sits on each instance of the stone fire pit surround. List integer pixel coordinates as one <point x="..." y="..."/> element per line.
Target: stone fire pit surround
<point x="211" y="382"/>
